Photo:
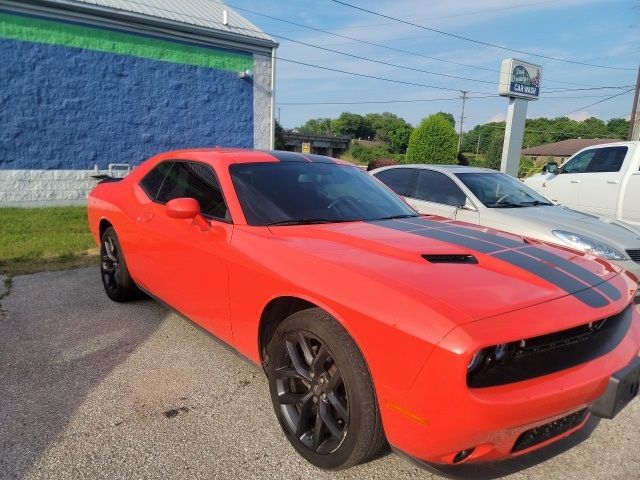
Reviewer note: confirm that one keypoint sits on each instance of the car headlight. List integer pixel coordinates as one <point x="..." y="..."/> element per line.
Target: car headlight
<point x="589" y="245"/>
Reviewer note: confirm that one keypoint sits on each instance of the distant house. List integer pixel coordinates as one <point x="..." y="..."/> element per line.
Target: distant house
<point x="560" y="151"/>
<point x="88" y="84"/>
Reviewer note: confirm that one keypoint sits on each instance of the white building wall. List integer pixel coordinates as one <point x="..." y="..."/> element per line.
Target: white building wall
<point x="262" y="114"/>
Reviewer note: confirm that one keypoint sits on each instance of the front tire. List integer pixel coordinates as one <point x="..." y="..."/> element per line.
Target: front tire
<point x="118" y="284"/>
<point x="322" y="392"/>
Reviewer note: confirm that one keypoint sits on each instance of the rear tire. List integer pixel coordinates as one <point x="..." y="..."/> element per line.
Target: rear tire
<point x="118" y="284"/>
<point x="322" y="392"/>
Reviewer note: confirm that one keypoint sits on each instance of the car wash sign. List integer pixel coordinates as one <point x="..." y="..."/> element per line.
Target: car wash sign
<point x="519" y="79"/>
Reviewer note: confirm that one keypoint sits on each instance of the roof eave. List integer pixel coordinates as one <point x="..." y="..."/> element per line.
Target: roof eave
<point x="133" y="19"/>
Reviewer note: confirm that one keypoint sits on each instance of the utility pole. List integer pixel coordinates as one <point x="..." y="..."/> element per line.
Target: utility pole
<point x="478" y="146"/>
<point x="634" y="121"/>
<point x="464" y="99"/>
<point x="279" y="114"/>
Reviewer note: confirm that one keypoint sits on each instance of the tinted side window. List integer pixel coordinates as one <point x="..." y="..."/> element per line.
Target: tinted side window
<point x="438" y="188"/>
<point x="400" y="180"/>
<point x="579" y="163"/>
<point x="608" y="159"/>
<point x="152" y="181"/>
<point x="195" y="180"/>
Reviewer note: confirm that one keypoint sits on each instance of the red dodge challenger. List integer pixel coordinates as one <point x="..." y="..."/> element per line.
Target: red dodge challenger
<point x="452" y="343"/>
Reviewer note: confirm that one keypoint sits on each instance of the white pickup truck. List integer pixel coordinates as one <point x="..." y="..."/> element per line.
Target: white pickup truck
<point x="603" y="179"/>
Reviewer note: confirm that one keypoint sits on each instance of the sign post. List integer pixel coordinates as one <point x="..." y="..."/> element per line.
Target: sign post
<point x="520" y="82"/>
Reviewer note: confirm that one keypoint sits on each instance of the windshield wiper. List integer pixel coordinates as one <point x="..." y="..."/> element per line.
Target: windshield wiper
<point x="537" y="203"/>
<point x="392" y="217"/>
<point x="504" y="205"/>
<point x="305" y="221"/>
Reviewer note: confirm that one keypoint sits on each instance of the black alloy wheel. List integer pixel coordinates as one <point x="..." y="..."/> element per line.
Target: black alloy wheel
<point x="311" y="393"/>
<point x="109" y="254"/>
<point x="116" y="280"/>
<point x="322" y="391"/>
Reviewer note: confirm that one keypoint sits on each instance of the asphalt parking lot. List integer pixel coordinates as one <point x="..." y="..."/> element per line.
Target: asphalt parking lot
<point x="94" y="389"/>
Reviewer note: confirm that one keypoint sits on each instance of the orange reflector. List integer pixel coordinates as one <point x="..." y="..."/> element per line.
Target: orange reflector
<point x="407" y="413"/>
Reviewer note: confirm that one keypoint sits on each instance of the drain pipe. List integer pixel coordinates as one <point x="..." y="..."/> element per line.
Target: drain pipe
<point x="273" y="99"/>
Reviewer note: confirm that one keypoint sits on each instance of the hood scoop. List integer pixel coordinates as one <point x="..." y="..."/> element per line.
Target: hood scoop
<point x="450" y="258"/>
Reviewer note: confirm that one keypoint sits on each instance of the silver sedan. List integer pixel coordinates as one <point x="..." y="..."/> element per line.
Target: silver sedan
<point x="493" y="199"/>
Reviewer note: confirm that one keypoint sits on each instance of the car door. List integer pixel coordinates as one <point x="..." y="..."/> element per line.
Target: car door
<point x="437" y="194"/>
<point x="601" y="183"/>
<point x="631" y="196"/>
<point x="565" y="187"/>
<point x="185" y="264"/>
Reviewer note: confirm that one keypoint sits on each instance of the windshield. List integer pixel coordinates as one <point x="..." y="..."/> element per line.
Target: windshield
<point x="498" y="190"/>
<point x="289" y="193"/>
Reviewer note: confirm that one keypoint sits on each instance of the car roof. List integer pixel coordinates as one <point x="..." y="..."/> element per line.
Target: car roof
<point x="247" y="155"/>
<point x="440" y="168"/>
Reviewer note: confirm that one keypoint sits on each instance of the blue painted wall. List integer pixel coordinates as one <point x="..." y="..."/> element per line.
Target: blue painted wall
<point x="70" y="108"/>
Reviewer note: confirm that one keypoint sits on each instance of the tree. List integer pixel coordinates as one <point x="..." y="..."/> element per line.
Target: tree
<point x="449" y="118"/>
<point x="279" y="138"/>
<point x="352" y="125"/>
<point x="316" y="125"/>
<point x="433" y="141"/>
<point x="494" y="152"/>
<point x="390" y="129"/>
<point x="618" y="127"/>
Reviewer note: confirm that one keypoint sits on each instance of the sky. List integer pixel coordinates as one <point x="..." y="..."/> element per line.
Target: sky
<point x="598" y="32"/>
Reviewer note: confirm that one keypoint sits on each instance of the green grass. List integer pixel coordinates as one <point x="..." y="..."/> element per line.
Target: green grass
<point x="38" y="239"/>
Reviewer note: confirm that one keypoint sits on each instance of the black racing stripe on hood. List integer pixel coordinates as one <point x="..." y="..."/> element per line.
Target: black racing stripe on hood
<point x="552" y="275"/>
<point x="528" y="258"/>
<point x="580" y="272"/>
<point x="572" y="268"/>
<point x="468" y="232"/>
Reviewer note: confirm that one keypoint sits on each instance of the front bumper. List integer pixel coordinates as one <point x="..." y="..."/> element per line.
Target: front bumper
<point x="440" y="416"/>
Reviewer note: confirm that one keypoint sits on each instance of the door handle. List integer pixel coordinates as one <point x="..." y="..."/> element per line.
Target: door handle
<point x="145" y="217"/>
<point x="575" y="181"/>
<point x="613" y="182"/>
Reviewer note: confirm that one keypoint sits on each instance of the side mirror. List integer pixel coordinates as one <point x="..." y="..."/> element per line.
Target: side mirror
<point x="468" y="206"/>
<point x="552" y="168"/>
<point x="182" y="208"/>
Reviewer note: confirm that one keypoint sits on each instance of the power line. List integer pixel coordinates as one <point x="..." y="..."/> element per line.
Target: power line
<point x="404" y="67"/>
<point x="477" y="12"/>
<point x="402" y="82"/>
<point x="386" y="47"/>
<point x="596" y="103"/>
<point x="479" y="42"/>
<point x="367" y="102"/>
<point x="502" y="125"/>
<point x="327" y="49"/>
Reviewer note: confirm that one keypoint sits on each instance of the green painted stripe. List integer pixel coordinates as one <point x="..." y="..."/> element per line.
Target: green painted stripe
<point x="34" y="30"/>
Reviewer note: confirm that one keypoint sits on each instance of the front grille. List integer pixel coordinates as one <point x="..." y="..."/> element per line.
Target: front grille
<point x="558" y="351"/>
<point x="549" y="430"/>
<point x="634" y="254"/>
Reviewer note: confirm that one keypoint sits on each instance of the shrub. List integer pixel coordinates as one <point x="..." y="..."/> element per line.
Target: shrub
<point x="433" y="141"/>
<point x="366" y="154"/>
<point x="381" y="162"/>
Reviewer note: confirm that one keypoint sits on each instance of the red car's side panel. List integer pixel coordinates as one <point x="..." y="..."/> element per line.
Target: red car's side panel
<point x="375" y="324"/>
